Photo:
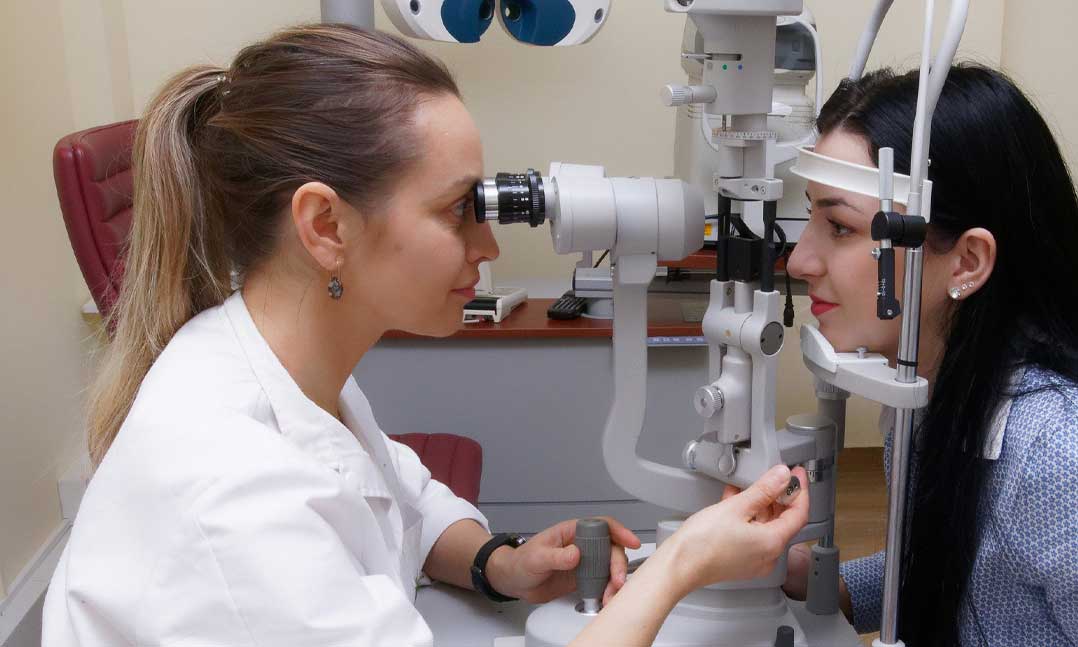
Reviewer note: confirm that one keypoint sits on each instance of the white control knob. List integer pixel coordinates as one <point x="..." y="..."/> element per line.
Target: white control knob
<point x="682" y="95"/>
<point x="708" y="401"/>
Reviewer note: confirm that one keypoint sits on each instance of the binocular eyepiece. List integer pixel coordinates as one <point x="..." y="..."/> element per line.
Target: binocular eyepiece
<point x="511" y="197"/>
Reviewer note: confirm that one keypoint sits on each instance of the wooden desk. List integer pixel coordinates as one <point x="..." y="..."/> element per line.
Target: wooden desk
<point x="529" y="320"/>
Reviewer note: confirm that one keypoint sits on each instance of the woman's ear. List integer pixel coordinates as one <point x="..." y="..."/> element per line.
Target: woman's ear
<point x="974" y="258"/>
<point x="318" y="217"/>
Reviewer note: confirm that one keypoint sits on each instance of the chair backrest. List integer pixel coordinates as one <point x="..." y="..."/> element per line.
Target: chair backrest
<point x="92" y="169"/>
<point x="456" y="461"/>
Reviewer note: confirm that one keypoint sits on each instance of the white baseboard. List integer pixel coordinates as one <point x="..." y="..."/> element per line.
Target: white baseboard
<point x="36" y="575"/>
<point x="32" y="581"/>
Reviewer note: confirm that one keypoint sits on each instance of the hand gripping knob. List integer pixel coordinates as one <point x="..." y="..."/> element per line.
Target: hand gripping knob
<point x="593" y="571"/>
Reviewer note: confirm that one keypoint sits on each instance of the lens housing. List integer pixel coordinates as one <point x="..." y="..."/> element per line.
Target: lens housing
<point x="511" y="197"/>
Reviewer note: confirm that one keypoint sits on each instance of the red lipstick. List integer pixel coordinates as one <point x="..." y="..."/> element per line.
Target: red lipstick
<point x="819" y="306"/>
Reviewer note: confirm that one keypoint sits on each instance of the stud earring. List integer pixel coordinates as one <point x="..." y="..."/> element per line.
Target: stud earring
<point x="955" y="293"/>
<point x="336" y="290"/>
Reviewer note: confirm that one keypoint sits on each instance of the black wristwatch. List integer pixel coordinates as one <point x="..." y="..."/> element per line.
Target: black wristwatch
<point x="479" y="566"/>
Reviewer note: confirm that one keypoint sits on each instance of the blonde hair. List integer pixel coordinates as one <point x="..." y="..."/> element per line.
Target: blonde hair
<point x="216" y="159"/>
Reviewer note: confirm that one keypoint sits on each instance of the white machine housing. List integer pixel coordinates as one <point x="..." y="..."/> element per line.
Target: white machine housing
<point x="424" y="18"/>
<point x="534" y="22"/>
<point x="589" y="211"/>
<point x="583" y="18"/>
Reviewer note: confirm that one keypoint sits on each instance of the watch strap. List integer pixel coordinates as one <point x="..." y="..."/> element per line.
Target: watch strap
<point x="479" y="565"/>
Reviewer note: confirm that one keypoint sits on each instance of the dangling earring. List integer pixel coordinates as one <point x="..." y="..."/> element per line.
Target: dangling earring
<point x="335" y="287"/>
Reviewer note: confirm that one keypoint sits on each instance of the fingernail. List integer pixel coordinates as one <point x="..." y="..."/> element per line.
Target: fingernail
<point x="793" y="488"/>
<point x="781" y="470"/>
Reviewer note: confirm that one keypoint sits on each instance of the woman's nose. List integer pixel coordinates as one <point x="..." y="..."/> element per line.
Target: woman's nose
<point x="805" y="261"/>
<point x="482" y="245"/>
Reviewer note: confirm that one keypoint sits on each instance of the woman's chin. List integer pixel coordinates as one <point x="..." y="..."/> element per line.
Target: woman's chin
<point x="442" y="329"/>
<point x="444" y="325"/>
<point x="838" y="339"/>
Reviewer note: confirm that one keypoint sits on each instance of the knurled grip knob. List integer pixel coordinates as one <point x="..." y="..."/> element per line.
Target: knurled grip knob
<point x="708" y="401"/>
<point x="593" y="571"/>
<point x="682" y="95"/>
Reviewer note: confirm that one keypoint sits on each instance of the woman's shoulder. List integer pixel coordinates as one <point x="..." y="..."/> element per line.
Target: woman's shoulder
<point x="1044" y="404"/>
<point x="1040" y="450"/>
<point x="200" y="370"/>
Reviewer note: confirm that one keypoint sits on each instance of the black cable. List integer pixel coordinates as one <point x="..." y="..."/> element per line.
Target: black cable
<point x="788" y="311"/>
<point x="743" y="230"/>
<point x="767" y="261"/>
<point x="600" y="259"/>
<point x="722" y="239"/>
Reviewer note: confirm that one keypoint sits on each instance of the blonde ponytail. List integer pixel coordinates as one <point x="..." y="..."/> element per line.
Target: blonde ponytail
<point x="175" y="263"/>
<point x="217" y="158"/>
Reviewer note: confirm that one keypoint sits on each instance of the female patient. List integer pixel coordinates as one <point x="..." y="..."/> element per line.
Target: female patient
<point x="991" y="545"/>
<point x="244" y="493"/>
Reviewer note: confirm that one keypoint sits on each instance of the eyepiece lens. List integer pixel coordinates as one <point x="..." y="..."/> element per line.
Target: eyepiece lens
<point x="511" y="197"/>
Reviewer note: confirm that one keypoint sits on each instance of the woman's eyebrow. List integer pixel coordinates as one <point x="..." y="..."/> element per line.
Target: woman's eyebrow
<point x="834" y="201"/>
<point x="460" y="184"/>
<point x="454" y="189"/>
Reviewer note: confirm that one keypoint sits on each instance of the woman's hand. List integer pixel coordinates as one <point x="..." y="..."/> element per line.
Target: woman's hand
<point x="544" y="568"/>
<point x="743" y="536"/>
<point x="739" y="538"/>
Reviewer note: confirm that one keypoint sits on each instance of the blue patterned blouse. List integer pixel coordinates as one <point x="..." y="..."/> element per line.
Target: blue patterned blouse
<point x="1024" y="582"/>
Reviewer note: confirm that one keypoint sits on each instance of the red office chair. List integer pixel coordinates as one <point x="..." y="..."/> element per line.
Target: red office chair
<point x="93" y="176"/>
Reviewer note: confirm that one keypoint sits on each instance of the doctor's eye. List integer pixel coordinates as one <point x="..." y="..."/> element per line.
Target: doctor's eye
<point x="461" y="207"/>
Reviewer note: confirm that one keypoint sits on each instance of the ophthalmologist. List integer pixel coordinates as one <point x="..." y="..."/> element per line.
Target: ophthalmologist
<point x="244" y="493"/>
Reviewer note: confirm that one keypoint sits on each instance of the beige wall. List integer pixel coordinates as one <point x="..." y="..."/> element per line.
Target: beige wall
<point x="1038" y="51"/>
<point x="41" y="331"/>
<point x="84" y="62"/>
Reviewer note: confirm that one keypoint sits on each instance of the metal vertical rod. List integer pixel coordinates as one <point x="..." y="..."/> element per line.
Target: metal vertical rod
<point x="907" y="350"/>
<point x="904" y="419"/>
<point x="909" y="344"/>
<point x="353" y="12"/>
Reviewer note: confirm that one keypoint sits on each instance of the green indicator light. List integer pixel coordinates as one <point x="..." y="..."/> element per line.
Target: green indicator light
<point x="724" y="66"/>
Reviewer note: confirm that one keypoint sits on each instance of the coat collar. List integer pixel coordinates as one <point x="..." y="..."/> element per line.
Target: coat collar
<point x="341" y="446"/>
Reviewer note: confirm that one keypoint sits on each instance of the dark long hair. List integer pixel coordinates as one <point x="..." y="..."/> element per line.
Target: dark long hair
<point x="994" y="164"/>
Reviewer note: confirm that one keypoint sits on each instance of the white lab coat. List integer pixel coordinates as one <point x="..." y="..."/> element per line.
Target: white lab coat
<point x="233" y="511"/>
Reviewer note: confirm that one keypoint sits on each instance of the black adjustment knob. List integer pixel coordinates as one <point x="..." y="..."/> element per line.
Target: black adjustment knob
<point x="901" y="230"/>
<point x="784" y="637"/>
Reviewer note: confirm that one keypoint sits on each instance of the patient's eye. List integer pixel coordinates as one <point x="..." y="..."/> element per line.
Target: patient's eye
<point x="838" y="230"/>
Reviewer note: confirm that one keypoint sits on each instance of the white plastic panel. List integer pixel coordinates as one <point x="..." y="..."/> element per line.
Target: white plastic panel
<point x="846" y="175"/>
